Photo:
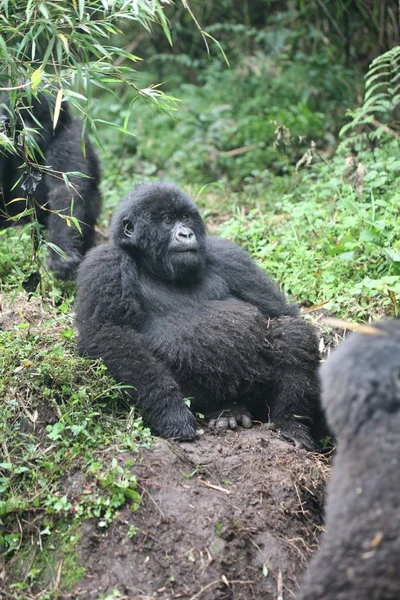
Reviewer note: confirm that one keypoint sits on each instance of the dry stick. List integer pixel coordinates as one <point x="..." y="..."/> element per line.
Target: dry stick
<point x="58" y="577"/>
<point x="300" y="502"/>
<point x="280" y="586"/>
<point x="333" y="322"/>
<point x="152" y="499"/>
<point x="214" y="487"/>
<point x="237" y="151"/>
<point x="206" y="587"/>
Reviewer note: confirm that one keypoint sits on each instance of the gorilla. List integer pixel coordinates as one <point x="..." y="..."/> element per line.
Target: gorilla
<point x="60" y="151"/>
<point x="178" y="315"/>
<point x="359" y="557"/>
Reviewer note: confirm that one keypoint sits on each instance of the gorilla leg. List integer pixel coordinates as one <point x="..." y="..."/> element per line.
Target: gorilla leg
<point x="292" y="401"/>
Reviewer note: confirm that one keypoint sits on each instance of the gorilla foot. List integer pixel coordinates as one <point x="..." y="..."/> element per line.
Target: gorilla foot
<point x="230" y="417"/>
<point x="293" y="431"/>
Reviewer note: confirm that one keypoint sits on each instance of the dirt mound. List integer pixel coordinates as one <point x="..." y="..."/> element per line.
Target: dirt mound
<point x="230" y="516"/>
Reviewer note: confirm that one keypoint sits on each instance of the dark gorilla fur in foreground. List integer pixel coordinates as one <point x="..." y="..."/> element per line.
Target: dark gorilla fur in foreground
<point x="177" y="314"/>
<point x="359" y="558"/>
<point x="62" y="150"/>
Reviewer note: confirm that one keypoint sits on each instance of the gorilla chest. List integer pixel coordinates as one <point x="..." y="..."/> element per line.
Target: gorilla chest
<point x="165" y="300"/>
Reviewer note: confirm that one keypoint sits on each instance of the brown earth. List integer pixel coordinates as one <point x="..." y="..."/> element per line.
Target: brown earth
<point x="230" y="516"/>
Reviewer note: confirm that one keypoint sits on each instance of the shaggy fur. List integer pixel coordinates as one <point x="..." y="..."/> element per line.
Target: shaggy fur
<point x="359" y="557"/>
<point x="205" y="323"/>
<point x="62" y="152"/>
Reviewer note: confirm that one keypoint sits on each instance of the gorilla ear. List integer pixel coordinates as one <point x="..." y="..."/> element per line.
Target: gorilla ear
<point x="127" y="227"/>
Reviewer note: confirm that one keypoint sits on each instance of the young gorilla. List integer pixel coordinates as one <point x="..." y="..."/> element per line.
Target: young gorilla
<point x="62" y="150"/>
<point x="177" y="314"/>
<point x="359" y="557"/>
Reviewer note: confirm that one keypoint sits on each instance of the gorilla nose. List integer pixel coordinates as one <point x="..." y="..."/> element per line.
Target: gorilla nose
<point x="184" y="235"/>
<point x="184" y="238"/>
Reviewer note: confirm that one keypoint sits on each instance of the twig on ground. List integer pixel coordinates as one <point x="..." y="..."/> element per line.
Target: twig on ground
<point x="280" y="586"/>
<point x="214" y="487"/>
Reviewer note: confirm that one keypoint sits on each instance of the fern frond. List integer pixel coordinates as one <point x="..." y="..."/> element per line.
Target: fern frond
<point x="381" y="98"/>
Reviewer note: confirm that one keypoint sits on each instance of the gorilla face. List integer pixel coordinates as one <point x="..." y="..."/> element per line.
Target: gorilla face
<point x="165" y="232"/>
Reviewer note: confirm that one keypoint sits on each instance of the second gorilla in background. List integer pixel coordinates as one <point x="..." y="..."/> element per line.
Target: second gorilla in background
<point x="177" y="314"/>
<point x="61" y="151"/>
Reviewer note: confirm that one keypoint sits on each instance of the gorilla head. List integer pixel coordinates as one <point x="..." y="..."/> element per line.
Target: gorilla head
<point x="160" y="225"/>
<point x="349" y="379"/>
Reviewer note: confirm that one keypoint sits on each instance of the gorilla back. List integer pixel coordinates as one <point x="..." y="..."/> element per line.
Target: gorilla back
<point x="177" y="314"/>
<point x="62" y="152"/>
<point x="359" y="557"/>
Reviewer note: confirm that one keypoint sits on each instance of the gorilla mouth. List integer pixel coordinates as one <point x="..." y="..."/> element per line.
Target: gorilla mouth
<point x="182" y="250"/>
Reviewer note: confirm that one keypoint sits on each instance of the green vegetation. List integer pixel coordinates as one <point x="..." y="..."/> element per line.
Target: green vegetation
<point x="70" y="469"/>
<point x="284" y="154"/>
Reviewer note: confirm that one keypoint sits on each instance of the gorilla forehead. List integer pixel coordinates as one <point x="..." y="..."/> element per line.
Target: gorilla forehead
<point x="150" y="198"/>
<point x="356" y="363"/>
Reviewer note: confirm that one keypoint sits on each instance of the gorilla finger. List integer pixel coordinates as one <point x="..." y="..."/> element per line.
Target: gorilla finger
<point x="232" y="423"/>
<point x="247" y="423"/>
<point x="212" y="423"/>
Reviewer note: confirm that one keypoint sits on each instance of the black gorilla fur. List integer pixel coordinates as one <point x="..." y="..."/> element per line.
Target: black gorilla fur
<point x="178" y="314"/>
<point x="62" y="150"/>
<point x="359" y="557"/>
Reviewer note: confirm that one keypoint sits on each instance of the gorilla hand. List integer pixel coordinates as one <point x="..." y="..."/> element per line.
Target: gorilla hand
<point x="174" y="421"/>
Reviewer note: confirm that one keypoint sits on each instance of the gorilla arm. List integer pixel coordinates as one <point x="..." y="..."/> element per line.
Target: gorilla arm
<point x="246" y="280"/>
<point x="292" y="344"/>
<point x="106" y="313"/>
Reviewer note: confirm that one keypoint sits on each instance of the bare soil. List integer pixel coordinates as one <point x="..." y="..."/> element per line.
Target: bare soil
<point x="231" y="516"/>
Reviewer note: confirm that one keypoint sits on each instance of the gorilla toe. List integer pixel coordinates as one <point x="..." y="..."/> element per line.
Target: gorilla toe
<point x="229" y="418"/>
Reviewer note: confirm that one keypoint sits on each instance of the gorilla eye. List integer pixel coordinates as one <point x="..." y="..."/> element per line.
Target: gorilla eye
<point x="168" y="219"/>
<point x="185" y="217"/>
<point x="128" y="227"/>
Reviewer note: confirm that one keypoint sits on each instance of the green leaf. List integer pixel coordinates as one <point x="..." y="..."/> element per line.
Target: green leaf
<point x="36" y="78"/>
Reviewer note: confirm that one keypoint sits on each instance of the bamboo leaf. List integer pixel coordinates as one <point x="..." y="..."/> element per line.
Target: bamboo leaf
<point x="57" y="107"/>
<point x="36" y="78"/>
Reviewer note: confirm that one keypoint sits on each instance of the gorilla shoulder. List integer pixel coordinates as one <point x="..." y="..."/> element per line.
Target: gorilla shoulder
<point x="246" y="280"/>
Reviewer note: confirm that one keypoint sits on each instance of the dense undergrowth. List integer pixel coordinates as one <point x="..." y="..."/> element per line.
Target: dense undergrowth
<point x="258" y="147"/>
